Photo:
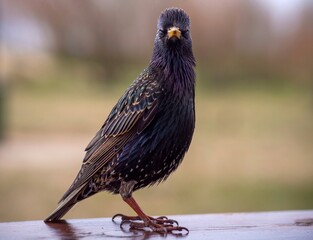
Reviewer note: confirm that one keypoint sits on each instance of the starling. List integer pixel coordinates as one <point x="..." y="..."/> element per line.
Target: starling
<point x="147" y="133"/>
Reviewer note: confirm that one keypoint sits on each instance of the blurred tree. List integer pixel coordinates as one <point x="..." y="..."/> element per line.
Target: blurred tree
<point x="234" y="41"/>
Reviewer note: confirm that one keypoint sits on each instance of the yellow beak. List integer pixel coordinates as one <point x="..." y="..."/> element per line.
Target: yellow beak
<point x="173" y="32"/>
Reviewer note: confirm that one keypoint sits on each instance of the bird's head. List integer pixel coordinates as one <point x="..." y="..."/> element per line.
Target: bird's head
<point x="173" y="30"/>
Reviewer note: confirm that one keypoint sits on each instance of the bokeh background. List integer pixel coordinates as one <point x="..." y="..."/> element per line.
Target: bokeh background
<point x="64" y="64"/>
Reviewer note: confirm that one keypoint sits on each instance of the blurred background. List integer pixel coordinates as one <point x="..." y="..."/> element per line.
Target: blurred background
<point x="64" y="64"/>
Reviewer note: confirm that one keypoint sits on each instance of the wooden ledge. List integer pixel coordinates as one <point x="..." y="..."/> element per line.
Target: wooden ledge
<point x="262" y="225"/>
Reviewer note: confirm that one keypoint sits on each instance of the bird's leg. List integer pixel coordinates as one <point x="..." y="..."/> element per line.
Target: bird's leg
<point x="160" y="224"/>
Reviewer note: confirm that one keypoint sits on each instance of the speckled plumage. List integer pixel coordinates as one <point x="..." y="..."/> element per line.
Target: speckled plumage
<point x="148" y="132"/>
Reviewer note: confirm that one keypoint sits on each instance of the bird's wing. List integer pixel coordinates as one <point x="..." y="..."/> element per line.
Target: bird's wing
<point x="131" y="115"/>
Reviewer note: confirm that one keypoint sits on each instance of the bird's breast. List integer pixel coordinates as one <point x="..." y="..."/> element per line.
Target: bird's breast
<point x="158" y="150"/>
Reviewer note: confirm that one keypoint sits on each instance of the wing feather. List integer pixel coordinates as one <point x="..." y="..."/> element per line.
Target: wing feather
<point x="131" y="115"/>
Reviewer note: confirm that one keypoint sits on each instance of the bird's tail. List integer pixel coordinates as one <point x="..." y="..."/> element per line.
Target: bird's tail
<point x="59" y="212"/>
<point x="64" y="206"/>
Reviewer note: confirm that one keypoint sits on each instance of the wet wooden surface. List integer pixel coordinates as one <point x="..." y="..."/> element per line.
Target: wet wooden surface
<point x="263" y="225"/>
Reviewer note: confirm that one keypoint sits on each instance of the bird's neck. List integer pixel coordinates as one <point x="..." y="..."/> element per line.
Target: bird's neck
<point x="177" y="68"/>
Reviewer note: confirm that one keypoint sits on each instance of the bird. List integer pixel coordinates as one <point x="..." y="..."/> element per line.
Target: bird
<point x="146" y="135"/>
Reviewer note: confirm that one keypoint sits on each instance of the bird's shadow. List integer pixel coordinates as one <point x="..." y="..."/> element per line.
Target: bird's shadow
<point x="63" y="230"/>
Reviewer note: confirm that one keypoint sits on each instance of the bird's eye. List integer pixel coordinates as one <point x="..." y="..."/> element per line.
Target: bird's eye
<point x="162" y="32"/>
<point x="185" y="33"/>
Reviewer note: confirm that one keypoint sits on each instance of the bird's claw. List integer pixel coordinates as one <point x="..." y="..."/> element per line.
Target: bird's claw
<point x="159" y="220"/>
<point x="116" y="216"/>
<point x="161" y="224"/>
